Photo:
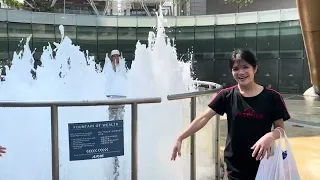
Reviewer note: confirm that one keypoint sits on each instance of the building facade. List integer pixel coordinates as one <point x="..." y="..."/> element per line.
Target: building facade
<point x="274" y="36"/>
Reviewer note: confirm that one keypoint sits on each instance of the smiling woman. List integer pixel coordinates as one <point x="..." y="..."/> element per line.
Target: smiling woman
<point x="251" y="111"/>
<point x="243" y="66"/>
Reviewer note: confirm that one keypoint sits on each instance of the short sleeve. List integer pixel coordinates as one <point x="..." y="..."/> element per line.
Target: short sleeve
<point x="218" y="103"/>
<point x="280" y="108"/>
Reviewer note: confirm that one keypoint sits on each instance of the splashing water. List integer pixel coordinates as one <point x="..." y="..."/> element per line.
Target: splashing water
<point x="67" y="74"/>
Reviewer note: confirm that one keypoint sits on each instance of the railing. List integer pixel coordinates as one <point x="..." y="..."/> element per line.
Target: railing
<point x="193" y="96"/>
<point x="134" y="127"/>
<point x="211" y="85"/>
<point x="54" y="125"/>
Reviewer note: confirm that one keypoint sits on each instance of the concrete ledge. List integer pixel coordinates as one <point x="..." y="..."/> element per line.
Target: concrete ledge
<point x="21" y="16"/>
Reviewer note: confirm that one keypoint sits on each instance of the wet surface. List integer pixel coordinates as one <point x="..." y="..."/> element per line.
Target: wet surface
<point x="300" y="97"/>
<point x="303" y="110"/>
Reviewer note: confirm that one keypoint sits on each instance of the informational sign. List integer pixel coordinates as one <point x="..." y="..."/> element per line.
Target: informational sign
<point x="95" y="140"/>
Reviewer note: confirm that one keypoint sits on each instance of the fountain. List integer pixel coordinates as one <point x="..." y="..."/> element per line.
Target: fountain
<point x="67" y="74"/>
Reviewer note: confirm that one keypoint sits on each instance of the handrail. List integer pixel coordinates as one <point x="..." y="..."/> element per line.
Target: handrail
<point x="193" y="96"/>
<point x="186" y="95"/>
<point x="210" y="84"/>
<point x="54" y="124"/>
<point x="134" y="127"/>
<point x="81" y="103"/>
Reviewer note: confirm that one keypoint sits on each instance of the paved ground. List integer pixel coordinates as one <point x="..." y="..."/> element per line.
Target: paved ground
<point x="303" y="131"/>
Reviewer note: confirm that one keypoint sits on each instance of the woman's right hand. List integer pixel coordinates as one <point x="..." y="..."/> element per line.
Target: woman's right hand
<point x="2" y="150"/>
<point x="176" y="150"/>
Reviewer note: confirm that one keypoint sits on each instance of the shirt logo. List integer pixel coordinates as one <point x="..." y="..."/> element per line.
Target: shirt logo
<point x="249" y="113"/>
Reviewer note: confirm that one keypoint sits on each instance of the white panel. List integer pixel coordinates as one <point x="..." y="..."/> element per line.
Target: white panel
<point x="19" y="16"/>
<point x="247" y="18"/>
<point x="147" y="21"/>
<point x="289" y="14"/>
<point x="86" y="20"/>
<point x="42" y="18"/>
<point x="65" y="19"/>
<point x="124" y="21"/>
<point x="185" y="21"/>
<point x="3" y="15"/>
<point x="268" y="16"/>
<point x="225" y="19"/>
<point x="205" y="20"/>
<point x="170" y="21"/>
<point x="107" y="21"/>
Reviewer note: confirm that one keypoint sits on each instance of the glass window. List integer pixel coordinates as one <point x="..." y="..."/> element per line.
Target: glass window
<point x="291" y="41"/>
<point x="184" y="40"/>
<point x="222" y="73"/>
<point x="42" y="34"/>
<point x="4" y="46"/>
<point x="246" y="37"/>
<point x="204" y="42"/>
<point x="70" y="31"/>
<point x="127" y="40"/>
<point x="107" y="41"/>
<point x="171" y="33"/>
<point x="202" y="68"/>
<point x="290" y="75"/>
<point x="224" y="41"/>
<point x="143" y="34"/>
<point x="306" y="75"/>
<point x="87" y="40"/>
<point x="268" y="40"/>
<point x="129" y="57"/>
<point x="267" y="74"/>
<point x="17" y="32"/>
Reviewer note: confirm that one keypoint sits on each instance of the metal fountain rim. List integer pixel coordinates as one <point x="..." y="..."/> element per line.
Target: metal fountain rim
<point x="217" y="87"/>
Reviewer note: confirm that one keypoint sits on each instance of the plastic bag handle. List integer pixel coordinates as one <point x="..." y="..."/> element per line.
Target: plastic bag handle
<point x="286" y="142"/>
<point x="284" y="136"/>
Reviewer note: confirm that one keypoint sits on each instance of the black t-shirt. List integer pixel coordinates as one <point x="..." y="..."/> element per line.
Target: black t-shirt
<point x="249" y="118"/>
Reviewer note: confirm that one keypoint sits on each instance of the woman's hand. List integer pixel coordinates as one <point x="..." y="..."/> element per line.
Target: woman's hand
<point x="176" y="150"/>
<point x="263" y="146"/>
<point x="2" y="150"/>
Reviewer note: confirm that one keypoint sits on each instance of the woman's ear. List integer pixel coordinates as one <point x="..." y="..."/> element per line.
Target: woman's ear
<point x="256" y="69"/>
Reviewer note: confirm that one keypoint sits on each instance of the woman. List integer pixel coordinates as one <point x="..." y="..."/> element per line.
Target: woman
<point x="251" y="111"/>
<point x="115" y="56"/>
<point x="2" y="150"/>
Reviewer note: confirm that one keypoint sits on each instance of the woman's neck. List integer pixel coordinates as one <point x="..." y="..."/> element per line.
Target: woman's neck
<point x="249" y="90"/>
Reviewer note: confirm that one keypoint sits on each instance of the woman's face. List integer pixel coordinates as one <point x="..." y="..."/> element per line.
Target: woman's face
<point x="115" y="59"/>
<point x="243" y="72"/>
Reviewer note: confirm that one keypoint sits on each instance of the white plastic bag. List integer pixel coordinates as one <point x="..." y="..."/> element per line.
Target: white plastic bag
<point x="281" y="165"/>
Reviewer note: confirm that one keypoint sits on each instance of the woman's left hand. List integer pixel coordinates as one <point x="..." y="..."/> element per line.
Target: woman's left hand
<point x="263" y="146"/>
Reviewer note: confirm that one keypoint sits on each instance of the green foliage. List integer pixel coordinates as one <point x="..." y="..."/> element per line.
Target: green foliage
<point x="41" y="6"/>
<point x="179" y="1"/>
<point x="14" y="3"/>
<point x="38" y="5"/>
<point x="240" y="3"/>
